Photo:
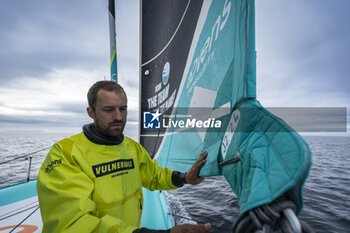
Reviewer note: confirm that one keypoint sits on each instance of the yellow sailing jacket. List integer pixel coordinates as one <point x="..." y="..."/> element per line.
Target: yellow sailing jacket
<point x="85" y="187"/>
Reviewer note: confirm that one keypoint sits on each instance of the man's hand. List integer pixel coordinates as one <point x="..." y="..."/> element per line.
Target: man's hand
<point x="190" y="228"/>
<point x="192" y="174"/>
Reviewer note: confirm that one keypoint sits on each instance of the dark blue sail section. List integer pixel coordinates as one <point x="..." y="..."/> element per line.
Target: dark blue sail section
<point x="168" y="29"/>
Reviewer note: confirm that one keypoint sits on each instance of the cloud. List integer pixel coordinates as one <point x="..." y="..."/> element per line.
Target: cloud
<point x="59" y="100"/>
<point x="53" y="51"/>
<point x="303" y="57"/>
<point x="40" y="36"/>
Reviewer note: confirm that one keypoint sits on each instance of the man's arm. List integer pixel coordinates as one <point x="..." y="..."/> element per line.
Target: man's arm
<point x="190" y="177"/>
<point x="191" y="228"/>
<point x="192" y="174"/>
<point x="185" y="228"/>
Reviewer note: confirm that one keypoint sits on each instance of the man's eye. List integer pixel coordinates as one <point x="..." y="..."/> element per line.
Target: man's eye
<point x="108" y="110"/>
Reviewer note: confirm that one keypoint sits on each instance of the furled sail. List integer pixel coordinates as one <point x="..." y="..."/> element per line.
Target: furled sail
<point x="198" y="93"/>
<point x="112" y="40"/>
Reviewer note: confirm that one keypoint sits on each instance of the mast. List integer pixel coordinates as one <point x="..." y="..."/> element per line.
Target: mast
<point x="112" y="40"/>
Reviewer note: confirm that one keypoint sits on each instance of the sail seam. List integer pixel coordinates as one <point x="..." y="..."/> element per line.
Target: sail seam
<point x="172" y="37"/>
<point x="247" y="50"/>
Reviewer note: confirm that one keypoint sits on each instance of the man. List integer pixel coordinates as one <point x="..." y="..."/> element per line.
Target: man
<point x="92" y="181"/>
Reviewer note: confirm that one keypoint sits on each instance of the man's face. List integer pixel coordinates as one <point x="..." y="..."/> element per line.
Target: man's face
<point x="110" y="112"/>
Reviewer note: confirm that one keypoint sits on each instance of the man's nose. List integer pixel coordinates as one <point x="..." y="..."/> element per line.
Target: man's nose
<point x="117" y="115"/>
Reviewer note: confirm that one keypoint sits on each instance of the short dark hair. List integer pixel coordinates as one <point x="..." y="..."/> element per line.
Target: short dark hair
<point x="102" y="85"/>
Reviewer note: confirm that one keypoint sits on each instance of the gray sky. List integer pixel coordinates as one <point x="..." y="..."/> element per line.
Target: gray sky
<point x="303" y="52"/>
<point x="53" y="51"/>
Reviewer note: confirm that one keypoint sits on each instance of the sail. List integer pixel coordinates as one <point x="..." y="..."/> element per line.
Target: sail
<point x="112" y="40"/>
<point x="194" y="60"/>
<point x="198" y="59"/>
<point x="198" y="93"/>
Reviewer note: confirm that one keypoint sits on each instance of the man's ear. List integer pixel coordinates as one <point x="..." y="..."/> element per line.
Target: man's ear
<point x="91" y="112"/>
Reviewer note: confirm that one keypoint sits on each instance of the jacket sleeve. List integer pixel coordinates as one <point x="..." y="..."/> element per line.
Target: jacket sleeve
<point x="153" y="176"/>
<point x="64" y="193"/>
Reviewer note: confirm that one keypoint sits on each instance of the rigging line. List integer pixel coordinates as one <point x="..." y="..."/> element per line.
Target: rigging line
<point x="23" y="156"/>
<point x="172" y="37"/>
<point x="24" y="219"/>
<point x="18" y="209"/>
<point x="20" y="212"/>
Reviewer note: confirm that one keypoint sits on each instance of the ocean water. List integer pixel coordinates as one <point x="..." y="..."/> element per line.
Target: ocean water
<point x="326" y="191"/>
<point x="14" y="144"/>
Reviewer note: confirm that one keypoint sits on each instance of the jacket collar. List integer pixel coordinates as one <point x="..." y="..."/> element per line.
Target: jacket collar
<point x="96" y="137"/>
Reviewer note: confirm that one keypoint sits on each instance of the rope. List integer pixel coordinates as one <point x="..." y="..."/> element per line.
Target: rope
<point x="24" y="156"/>
<point x="24" y="219"/>
<point x="18" y="210"/>
<point x="24" y="210"/>
<point x="279" y="214"/>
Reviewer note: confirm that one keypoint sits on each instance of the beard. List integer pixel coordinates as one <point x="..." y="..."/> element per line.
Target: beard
<point x="107" y="129"/>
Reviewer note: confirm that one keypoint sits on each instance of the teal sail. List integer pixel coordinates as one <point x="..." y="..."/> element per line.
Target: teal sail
<point x="198" y="93"/>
